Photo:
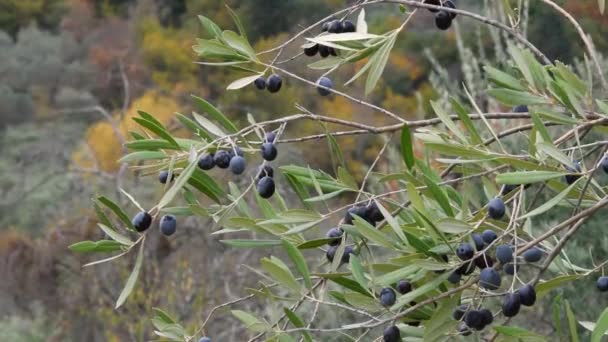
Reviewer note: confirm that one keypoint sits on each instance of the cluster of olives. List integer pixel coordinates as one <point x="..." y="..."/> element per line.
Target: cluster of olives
<point x="273" y="83"/>
<point x="264" y="179"/>
<point x="480" y="319"/>
<point x="332" y="26"/>
<point x="490" y="279"/>
<point x="443" y="19"/>
<point x="472" y="319"/>
<point x="388" y="298"/>
<point x="233" y="159"/>
<point x="369" y="213"/>
<point x="142" y="221"/>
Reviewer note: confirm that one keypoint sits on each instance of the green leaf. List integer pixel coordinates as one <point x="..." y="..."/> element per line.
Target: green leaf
<point x="361" y="301"/>
<point x="601" y="326"/>
<point x="453" y="226"/>
<point x="343" y="37"/>
<point x="215" y="114"/>
<point x="325" y="63"/>
<point x="193" y="126"/>
<point x="214" y="49"/>
<point x="545" y="287"/>
<point x="142" y="155"/>
<point x="114" y="235"/>
<point x="314" y="243"/>
<point x="361" y="23"/>
<point x="117" y="211"/>
<point x="98" y="246"/>
<point x="126" y="291"/>
<point x="210" y="26"/>
<point x="251" y="243"/>
<point x="407" y="147"/>
<point x="364" y="229"/>
<point x="348" y="284"/>
<point x="239" y="44"/>
<point x="163" y="316"/>
<point x="439" y="196"/>
<point x="297" y="322"/>
<point x="556" y="117"/>
<point x="392" y="222"/>
<point x="514" y="98"/>
<point x="337" y="158"/>
<point x="150" y="145"/>
<point x="242" y="82"/>
<point x="357" y="270"/>
<point x="280" y="273"/>
<point x="298" y="259"/>
<point x="251" y="322"/>
<point x="102" y="216"/>
<point x="526" y="177"/>
<point x="466" y="120"/>
<point x="207" y="185"/>
<point x="540" y="127"/>
<point x="556" y="154"/>
<point x="524" y="334"/>
<point x="158" y="130"/>
<point x="237" y="22"/>
<point x="447" y="121"/>
<point x="177" y="185"/>
<point x="503" y="79"/>
<point x="550" y="203"/>
<point x="571" y="323"/>
<point x="521" y="62"/>
<point x="563" y="72"/>
<point x="378" y="62"/>
<point x="208" y="125"/>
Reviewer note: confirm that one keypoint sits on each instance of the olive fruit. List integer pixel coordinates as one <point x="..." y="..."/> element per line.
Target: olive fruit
<point x="489" y="279"/>
<point x="527" y="295"/>
<point x="335" y="234"/>
<point x="269" y="151"/>
<point x="488" y="236"/>
<point x="322" y="84"/>
<point x="404" y="286"/>
<point x="602" y="284"/>
<point x="504" y="253"/>
<point x="496" y="208"/>
<point x="237" y="165"/>
<point x="533" y="254"/>
<point x="465" y="251"/>
<point x="168" y="225"/>
<point x="443" y="20"/>
<point x="222" y="159"/>
<point x="260" y="83"/>
<point x="141" y="221"/>
<point x="511" y="304"/>
<point x="206" y="162"/>
<point x="266" y="187"/>
<point x="387" y="296"/>
<point x="274" y="83"/>
<point x="311" y="51"/>
<point x="391" y="334"/>
<point x="164" y="175"/>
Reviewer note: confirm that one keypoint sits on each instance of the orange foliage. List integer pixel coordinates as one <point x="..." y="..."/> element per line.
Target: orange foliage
<point x="103" y="143"/>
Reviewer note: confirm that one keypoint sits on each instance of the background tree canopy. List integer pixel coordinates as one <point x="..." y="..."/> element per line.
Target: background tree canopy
<point x="76" y="72"/>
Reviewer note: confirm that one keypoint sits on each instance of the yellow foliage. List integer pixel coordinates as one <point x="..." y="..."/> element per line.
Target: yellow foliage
<point x="168" y="53"/>
<point x="101" y="143"/>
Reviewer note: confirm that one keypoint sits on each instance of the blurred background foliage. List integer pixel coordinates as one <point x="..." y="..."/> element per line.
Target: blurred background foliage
<point x="70" y="68"/>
